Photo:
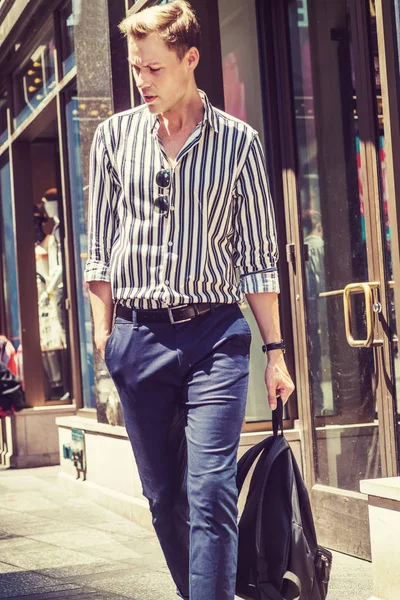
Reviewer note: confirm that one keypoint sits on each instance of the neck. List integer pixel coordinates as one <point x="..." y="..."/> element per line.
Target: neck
<point x="185" y="114"/>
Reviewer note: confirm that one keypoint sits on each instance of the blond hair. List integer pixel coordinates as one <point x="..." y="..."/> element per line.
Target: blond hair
<point x="175" y="22"/>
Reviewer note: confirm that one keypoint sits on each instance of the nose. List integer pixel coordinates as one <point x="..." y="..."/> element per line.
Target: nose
<point x="141" y="81"/>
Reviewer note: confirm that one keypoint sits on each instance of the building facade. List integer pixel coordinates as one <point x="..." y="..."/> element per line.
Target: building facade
<point x="319" y="80"/>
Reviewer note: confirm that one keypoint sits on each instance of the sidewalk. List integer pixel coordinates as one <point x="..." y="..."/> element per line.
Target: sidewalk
<point x="54" y="545"/>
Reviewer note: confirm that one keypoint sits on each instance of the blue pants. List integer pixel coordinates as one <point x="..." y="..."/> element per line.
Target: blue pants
<point x="183" y="391"/>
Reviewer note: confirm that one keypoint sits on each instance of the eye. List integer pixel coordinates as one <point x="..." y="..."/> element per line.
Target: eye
<point x="155" y="70"/>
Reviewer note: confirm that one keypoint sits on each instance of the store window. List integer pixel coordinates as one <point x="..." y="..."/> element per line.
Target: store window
<point x="36" y="78"/>
<point x="74" y="111"/>
<point x="69" y="17"/>
<point x="240" y="62"/>
<point x="9" y="262"/>
<point x="243" y="100"/>
<point x="3" y="117"/>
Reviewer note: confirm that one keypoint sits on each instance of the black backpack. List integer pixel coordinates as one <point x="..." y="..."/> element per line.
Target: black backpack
<point x="12" y="397"/>
<point x="279" y="557"/>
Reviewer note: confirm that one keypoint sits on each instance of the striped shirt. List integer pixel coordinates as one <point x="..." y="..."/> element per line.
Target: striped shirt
<point x="218" y="239"/>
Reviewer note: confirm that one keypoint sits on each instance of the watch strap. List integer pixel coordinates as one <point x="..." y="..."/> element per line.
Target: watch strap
<point x="274" y="346"/>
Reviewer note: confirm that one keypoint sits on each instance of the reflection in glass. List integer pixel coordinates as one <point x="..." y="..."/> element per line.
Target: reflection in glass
<point x="387" y="236"/>
<point x="35" y="80"/>
<point x="242" y="98"/>
<point x="241" y="69"/>
<point x="342" y="380"/>
<point x="9" y="275"/>
<point x="80" y="241"/>
<point x="3" y="117"/>
<point x="69" y="17"/>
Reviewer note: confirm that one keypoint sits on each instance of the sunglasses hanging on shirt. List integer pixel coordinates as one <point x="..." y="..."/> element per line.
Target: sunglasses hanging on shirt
<point x="161" y="203"/>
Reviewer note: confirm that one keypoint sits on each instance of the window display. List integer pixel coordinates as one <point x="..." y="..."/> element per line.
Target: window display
<point x="69" y="17"/>
<point x="50" y="287"/>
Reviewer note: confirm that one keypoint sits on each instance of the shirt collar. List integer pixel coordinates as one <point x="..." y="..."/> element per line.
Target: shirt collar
<point x="210" y="116"/>
<point x="209" y="112"/>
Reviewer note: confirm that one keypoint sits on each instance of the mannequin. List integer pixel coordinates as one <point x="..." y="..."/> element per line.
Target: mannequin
<point x="49" y="278"/>
<point x="54" y="284"/>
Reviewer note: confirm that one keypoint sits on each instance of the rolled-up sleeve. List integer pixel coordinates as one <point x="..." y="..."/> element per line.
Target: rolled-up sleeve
<point x="256" y="241"/>
<point x="102" y="221"/>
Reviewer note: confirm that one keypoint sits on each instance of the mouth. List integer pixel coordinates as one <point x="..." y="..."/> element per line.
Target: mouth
<point x="149" y="99"/>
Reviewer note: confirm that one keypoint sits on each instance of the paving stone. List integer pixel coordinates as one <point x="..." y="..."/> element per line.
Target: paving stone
<point x="26" y="501"/>
<point x="350" y="579"/>
<point x="32" y="555"/>
<point x="7" y="568"/>
<point x="8" y="515"/>
<point x="137" y="586"/>
<point x="17" y="523"/>
<point x="73" y="595"/>
<point x="25" y="483"/>
<point x="80" y="574"/>
<point x="79" y="537"/>
<point x="35" y="526"/>
<point x="128" y="528"/>
<point x="24" y="582"/>
<point x="114" y="551"/>
<point x="76" y="514"/>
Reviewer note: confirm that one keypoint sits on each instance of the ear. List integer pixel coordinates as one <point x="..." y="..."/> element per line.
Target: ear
<point x="192" y="58"/>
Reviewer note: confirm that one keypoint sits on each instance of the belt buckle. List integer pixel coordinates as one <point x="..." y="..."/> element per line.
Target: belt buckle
<point x="171" y="315"/>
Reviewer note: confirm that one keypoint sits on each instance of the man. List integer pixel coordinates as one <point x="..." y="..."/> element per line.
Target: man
<point x="181" y="224"/>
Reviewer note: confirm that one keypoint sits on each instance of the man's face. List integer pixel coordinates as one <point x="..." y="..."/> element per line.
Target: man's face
<point x="160" y="76"/>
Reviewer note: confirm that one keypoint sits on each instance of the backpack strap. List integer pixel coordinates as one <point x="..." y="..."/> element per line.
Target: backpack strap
<point x="247" y="460"/>
<point x="269" y="592"/>
<point x="292" y="577"/>
<point x="279" y="446"/>
<point x="277" y="417"/>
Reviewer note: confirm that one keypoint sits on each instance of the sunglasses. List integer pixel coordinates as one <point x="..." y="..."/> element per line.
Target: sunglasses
<point x="161" y="203"/>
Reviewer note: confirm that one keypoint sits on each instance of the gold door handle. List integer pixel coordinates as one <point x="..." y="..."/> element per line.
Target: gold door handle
<point x="366" y="289"/>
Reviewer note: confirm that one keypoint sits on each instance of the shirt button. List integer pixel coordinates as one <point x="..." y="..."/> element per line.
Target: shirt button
<point x="172" y="208"/>
<point x="166" y="282"/>
<point x="170" y="244"/>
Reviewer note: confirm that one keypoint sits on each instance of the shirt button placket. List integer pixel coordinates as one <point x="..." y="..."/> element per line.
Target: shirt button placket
<point x="167" y="295"/>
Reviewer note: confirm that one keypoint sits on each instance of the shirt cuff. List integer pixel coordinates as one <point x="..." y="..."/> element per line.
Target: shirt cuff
<point x="260" y="281"/>
<point x="97" y="271"/>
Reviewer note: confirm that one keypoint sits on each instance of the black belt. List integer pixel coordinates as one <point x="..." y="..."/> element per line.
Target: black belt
<point x="173" y="315"/>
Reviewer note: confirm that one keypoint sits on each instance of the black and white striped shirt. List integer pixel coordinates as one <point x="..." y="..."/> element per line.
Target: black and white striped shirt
<point x="219" y="238"/>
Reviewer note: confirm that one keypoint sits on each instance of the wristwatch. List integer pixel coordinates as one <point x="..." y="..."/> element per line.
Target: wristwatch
<point x="274" y="346"/>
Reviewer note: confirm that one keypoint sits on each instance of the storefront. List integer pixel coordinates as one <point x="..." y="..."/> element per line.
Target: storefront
<point x="319" y="80"/>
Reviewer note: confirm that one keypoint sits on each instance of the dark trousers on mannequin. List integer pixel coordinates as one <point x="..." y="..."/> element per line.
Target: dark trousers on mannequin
<point x="183" y="391"/>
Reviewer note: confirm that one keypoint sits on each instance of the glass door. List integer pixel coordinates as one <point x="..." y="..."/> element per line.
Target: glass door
<point x="348" y="310"/>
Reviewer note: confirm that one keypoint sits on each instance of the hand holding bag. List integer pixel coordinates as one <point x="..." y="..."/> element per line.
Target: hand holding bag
<point x="279" y="557"/>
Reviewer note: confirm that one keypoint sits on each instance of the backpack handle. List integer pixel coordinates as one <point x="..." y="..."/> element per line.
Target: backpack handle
<point x="251" y="455"/>
<point x="277" y="417"/>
